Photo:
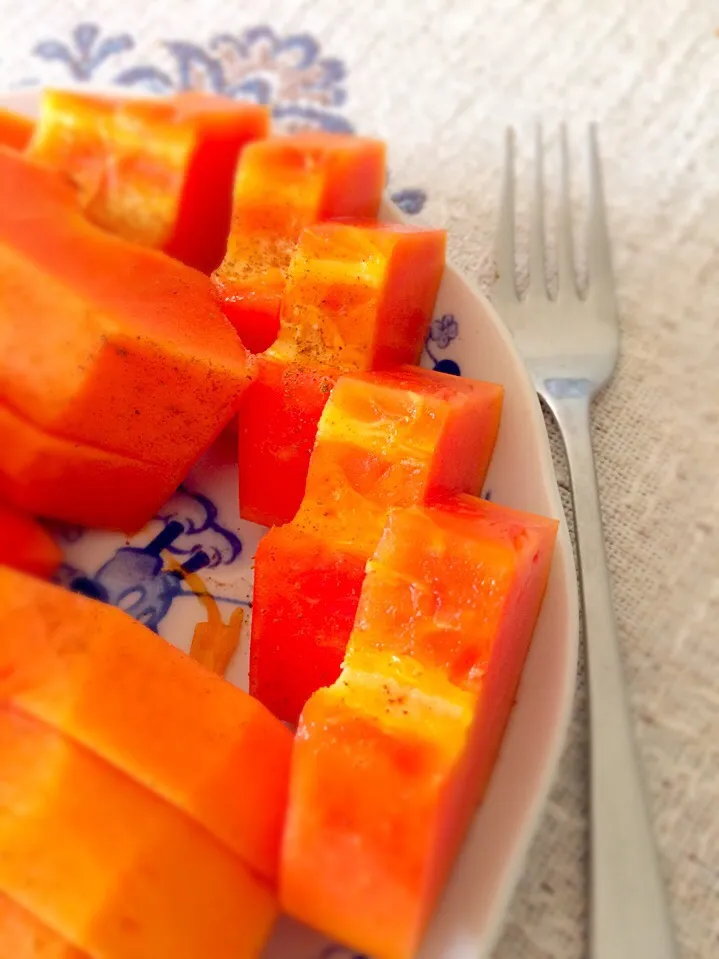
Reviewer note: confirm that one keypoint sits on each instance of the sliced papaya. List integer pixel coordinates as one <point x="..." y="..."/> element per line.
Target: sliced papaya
<point x="284" y="184"/>
<point x="385" y="439"/>
<point x="158" y="171"/>
<point x="103" y="679"/>
<point x="75" y="483"/>
<point x="390" y="762"/>
<point x="359" y="296"/>
<point x="111" y="867"/>
<point x="104" y="342"/>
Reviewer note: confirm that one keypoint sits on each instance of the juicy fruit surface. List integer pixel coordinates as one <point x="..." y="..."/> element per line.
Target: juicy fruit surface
<point x="385" y="440"/>
<point x="284" y="184"/>
<point x="156" y="172"/>
<point x="277" y="425"/>
<point x="359" y="297"/>
<point x="304" y="602"/>
<point x="96" y="675"/>
<point x="390" y="761"/>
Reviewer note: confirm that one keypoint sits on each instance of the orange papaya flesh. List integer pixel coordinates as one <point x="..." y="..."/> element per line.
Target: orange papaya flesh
<point x="22" y="936"/>
<point x="306" y="593"/>
<point x="158" y="172"/>
<point x="284" y="184"/>
<point x="276" y="429"/>
<point x="25" y="544"/>
<point x="358" y="297"/>
<point x="103" y="342"/>
<point x="177" y="729"/>
<point x="390" y="762"/>
<point x="111" y="867"/>
<point x="68" y="481"/>
<point x="15" y="129"/>
<point x="386" y="439"/>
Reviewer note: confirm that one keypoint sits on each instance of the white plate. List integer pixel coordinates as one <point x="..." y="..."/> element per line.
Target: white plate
<point x="135" y="574"/>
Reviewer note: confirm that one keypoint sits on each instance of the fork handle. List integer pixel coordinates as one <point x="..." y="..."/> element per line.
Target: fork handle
<point x="629" y="914"/>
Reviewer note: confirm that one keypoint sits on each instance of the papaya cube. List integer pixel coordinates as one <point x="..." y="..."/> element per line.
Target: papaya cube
<point x="385" y="439"/>
<point x="25" y="544"/>
<point x="22" y="936"/>
<point x="68" y="481"/>
<point x="104" y="342"/>
<point x="158" y="172"/>
<point x="390" y="762"/>
<point x="359" y="296"/>
<point x="111" y="685"/>
<point x="15" y="129"/>
<point x="109" y="866"/>
<point x="284" y="184"/>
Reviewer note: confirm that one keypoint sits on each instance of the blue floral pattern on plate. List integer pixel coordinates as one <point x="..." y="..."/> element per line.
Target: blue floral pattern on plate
<point x="443" y="331"/>
<point x="86" y="52"/>
<point x="137" y="578"/>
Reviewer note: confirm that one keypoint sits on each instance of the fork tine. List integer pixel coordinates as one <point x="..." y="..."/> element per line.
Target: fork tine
<point x="504" y="241"/>
<point x="566" y="277"/>
<point x="599" y="257"/>
<point x="537" y="262"/>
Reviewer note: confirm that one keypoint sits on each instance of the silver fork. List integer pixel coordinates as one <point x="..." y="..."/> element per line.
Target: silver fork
<point x="570" y="344"/>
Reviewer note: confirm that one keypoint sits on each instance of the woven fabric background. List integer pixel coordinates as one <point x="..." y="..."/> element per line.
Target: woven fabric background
<point x="440" y="80"/>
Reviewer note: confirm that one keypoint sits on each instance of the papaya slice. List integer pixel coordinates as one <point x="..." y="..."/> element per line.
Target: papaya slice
<point x="158" y="172"/>
<point x="103" y="342"/>
<point x="106" y="681"/>
<point x="359" y="296"/>
<point x="69" y="481"/>
<point x="385" y="439"/>
<point x="111" y="867"/>
<point x="390" y="762"/>
<point x="284" y="184"/>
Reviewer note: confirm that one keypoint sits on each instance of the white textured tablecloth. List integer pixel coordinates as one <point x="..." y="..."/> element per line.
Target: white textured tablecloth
<point x="440" y="80"/>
